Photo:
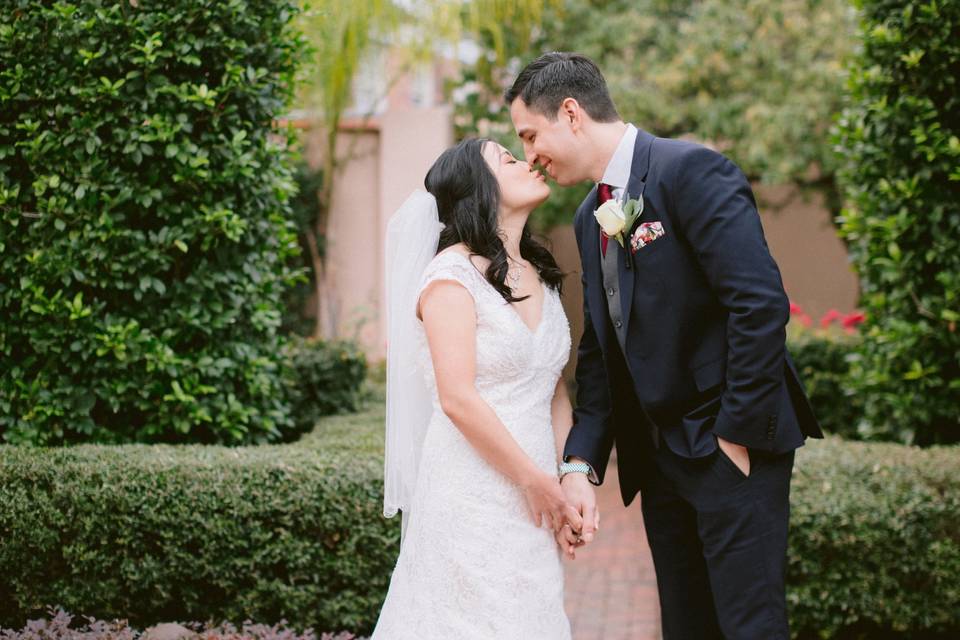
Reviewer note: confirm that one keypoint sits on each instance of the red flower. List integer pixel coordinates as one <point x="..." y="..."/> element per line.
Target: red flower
<point x="795" y="309"/>
<point x="851" y="320"/>
<point x="829" y="317"/>
<point x="806" y="320"/>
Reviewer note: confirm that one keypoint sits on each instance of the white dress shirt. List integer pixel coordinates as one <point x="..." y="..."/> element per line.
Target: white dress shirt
<point x="617" y="173"/>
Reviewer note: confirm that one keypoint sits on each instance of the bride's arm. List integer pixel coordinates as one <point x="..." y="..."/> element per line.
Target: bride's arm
<point x="449" y="319"/>
<point x="561" y="412"/>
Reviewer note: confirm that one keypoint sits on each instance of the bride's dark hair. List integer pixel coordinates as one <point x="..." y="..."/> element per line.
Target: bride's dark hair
<point x="468" y="196"/>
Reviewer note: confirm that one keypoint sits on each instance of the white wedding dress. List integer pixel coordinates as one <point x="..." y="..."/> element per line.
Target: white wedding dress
<point x="473" y="565"/>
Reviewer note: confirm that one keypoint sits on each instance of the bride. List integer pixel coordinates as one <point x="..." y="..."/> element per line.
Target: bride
<point x="477" y="414"/>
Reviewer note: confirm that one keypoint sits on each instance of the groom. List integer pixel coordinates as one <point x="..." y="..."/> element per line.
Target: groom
<point x="682" y="363"/>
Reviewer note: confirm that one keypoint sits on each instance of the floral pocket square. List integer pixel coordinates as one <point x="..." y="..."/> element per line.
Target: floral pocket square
<point x="646" y="233"/>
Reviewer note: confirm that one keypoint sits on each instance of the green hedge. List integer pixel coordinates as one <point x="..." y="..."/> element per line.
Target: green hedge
<point x="296" y="532"/>
<point x="157" y="532"/>
<point x="328" y="379"/>
<point x="145" y="231"/>
<point x="899" y="145"/>
<point x="875" y="541"/>
<point x="824" y="365"/>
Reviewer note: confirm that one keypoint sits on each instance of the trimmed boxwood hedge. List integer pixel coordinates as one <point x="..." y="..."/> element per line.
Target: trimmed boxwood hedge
<point x="158" y="532"/>
<point x="874" y="541"/>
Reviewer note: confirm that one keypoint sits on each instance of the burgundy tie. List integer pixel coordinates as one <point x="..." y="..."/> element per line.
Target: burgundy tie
<point x="604" y="193"/>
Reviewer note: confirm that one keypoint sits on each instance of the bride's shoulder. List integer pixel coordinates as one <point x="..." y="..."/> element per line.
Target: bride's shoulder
<point x="460" y="253"/>
<point x="452" y="264"/>
<point x="455" y="263"/>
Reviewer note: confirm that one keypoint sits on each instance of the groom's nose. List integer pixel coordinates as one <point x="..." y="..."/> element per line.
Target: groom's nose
<point x="529" y="153"/>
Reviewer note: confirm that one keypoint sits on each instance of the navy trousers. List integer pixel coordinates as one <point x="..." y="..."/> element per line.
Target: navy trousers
<point x="719" y="543"/>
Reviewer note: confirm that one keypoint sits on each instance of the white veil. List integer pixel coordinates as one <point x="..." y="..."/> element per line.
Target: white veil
<point x="411" y="243"/>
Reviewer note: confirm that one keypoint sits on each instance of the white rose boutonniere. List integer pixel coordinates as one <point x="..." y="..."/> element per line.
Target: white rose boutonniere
<point x="615" y="217"/>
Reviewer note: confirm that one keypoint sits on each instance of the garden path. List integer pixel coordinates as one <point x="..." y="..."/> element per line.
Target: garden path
<point x="611" y="588"/>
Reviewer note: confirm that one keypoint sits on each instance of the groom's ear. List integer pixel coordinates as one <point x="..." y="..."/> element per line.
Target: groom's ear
<point x="571" y="113"/>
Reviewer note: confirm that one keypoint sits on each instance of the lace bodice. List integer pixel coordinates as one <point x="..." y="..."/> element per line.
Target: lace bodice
<point x="516" y="369"/>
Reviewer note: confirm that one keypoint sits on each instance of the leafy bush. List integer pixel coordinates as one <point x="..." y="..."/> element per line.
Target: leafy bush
<point x="305" y="207"/>
<point x="190" y="532"/>
<point x="58" y="628"/>
<point x="328" y="377"/>
<point x="824" y="366"/>
<point x="823" y="356"/>
<point x="759" y="79"/>
<point x="296" y="532"/>
<point x="899" y="142"/>
<point x="145" y="226"/>
<point x="874" y="541"/>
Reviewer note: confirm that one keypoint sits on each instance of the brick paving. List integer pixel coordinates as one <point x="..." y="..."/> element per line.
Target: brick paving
<point x="611" y="588"/>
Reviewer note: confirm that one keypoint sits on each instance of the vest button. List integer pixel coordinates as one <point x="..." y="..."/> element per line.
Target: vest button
<point x="618" y="324"/>
<point x="611" y="291"/>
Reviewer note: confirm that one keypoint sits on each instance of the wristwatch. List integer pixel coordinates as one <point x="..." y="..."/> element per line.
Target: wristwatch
<point x="575" y="467"/>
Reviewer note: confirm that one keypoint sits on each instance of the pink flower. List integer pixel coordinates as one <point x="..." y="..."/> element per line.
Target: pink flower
<point x="795" y="309"/>
<point x="829" y="317"/>
<point x="851" y="320"/>
<point x="806" y="320"/>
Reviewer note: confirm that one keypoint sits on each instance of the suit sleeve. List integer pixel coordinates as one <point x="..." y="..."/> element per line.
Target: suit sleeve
<point x="715" y="210"/>
<point x="591" y="436"/>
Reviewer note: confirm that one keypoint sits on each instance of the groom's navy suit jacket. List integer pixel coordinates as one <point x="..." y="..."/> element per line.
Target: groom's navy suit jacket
<point x="705" y="315"/>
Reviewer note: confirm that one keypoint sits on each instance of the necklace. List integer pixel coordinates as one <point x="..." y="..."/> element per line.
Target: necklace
<point x="513" y="272"/>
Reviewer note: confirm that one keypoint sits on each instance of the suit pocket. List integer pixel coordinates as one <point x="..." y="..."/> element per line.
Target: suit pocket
<point x="710" y="374"/>
<point x="731" y="465"/>
<point x="648" y="250"/>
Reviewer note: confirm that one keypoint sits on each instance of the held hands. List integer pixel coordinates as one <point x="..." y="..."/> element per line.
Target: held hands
<point x="580" y="493"/>
<point x="546" y="502"/>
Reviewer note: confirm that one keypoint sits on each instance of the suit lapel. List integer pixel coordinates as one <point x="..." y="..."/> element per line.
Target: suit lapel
<point x="592" y="268"/>
<point x="635" y="186"/>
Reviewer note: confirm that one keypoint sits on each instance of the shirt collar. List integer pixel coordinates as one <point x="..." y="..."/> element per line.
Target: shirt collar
<point x="617" y="173"/>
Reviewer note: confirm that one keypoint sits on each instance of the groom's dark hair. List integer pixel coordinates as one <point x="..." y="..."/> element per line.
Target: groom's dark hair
<point x="546" y="82"/>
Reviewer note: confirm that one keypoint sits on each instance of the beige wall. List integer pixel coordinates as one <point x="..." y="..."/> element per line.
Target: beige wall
<point x="389" y="160"/>
<point x="812" y="258"/>
<point x="353" y="236"/>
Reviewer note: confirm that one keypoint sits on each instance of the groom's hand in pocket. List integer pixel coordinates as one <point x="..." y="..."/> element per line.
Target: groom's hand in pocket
<point x="737" y="453"/>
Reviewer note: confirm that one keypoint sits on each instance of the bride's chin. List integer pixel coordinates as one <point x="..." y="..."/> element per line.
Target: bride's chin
<point x="542" y="194"/>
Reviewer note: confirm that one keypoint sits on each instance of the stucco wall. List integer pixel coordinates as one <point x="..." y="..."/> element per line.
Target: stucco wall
<point x="389" y="161"/>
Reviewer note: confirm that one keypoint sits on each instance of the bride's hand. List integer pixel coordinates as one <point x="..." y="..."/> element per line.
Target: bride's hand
<point x="569" y="540"/>
<point x="546" y="500"/>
